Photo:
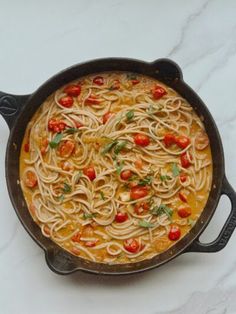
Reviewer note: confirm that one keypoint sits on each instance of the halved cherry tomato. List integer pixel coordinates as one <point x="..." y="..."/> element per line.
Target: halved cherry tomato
<point x="134" y="82"/>
<point x="138" y="164"/>
<point x="76" y="237"/>
<point x="66" y="101"/>
<point x="182" y="141"/>
<point x="72" y="90"/>
<point x="90" y="173"/>
<point x="106" y="117"/>
<point x="158" y="92"/>
<point x="201" y="141"/>
<point x="126" y="174"/>
<point x="183" y="177"/>
<point x="26" y="147"/>
<point x="30" y="179"/>
<point x="99" y="80"/>
<point x="66" y="148"/>
<point x="185" y="163"/>
<point x="131" y="245"/>
<point x="183" y="197"/>
<point x="174" y="233"/>
<point x="56" y="125"/>
<point x="90" y="243"/>
<point x="115" y="85"/>
<point x="92" y="100"/>
<point x="44" y="146"/>
<point x="141" y="208"/>
<point x="138" y="192"/>
<point x="169" y="139"/>
<point x="141" y="140"/>
<point x="121" y="217"/>
<point x="184" y="211"/>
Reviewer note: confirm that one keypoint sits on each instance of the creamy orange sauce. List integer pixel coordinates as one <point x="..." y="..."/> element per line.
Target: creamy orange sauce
<point x="66" y="206"/>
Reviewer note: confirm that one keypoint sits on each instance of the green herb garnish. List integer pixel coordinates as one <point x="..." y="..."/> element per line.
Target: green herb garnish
<point x="130" y="115"/>
<point x="165" y="177"/>
<point x="108" y="147"/>
<point x="162" y="209"/>
<point x="66" y="188"/>
<point x="119" y="167"/>
<point x="71" y="130"/>
<point x="191" y="222"/>
<point x="145" y="181"/>
<point x="145" y="224"/>
<point x="175" y="170"/>
<point x="88" y="216"/>
<point x="54" y="143"/>
<point x="102" y="195"/>
<point x="119" y="146"/>
<point x="61" y="197"/>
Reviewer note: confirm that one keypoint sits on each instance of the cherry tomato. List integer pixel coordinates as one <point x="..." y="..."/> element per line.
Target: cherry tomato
<point x="26" y="147"/>
<point x="126" y="174"/>
<point x="91" y="243"/>
<point x="106" y="117"/>
<point x="92" y="100"/>
<point x="98" y="80"/>
<point x="138" y="164"/>
<point x="185" y="163"/>
<point x="183" y="197"/>
<point x="174" y="233"/>
<point x="183" y="177"/>
<point x="66" y="148"/>
<point x="138" y="192"/>
<point x="158" y="92"/>
<point x="66" y="101"/>
<point x="134" y="82"/>
<point x="90" y="173"/>
<point x="115" y="85"/>
<point x="72" y="90"/>
<point x="184" y="211"/>
<point x="169" y="139"/>
<point x="141" y="140"/>
<point x="182" y="141"/>
<point x="201" y="141"/>
<point x="56" y="125"/>
<point x="131" y="245"/>
<point x="44" y="146"/>
<point x="76" y="237"/>
<point x="141" y="208"/>
<point x="30" y="179"/>
<point x="121" y="217"/>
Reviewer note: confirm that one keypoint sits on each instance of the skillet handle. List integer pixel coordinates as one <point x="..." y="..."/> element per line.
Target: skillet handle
<point x="220" y="242"/>
<point x="167" y="70"/>
<point x="10" y="106"/>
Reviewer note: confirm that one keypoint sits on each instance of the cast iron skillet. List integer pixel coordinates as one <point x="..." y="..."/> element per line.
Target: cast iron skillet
<point x="18" y="110"/>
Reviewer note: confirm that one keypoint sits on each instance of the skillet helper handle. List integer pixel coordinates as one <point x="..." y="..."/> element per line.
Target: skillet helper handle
<point x="220" y="242"/>
<point x="10" y="106"/>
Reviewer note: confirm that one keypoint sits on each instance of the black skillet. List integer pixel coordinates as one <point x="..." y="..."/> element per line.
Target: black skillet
<point x="18" y="110"/>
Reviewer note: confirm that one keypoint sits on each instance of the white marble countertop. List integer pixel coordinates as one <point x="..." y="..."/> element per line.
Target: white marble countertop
<point x="39" y="38"/>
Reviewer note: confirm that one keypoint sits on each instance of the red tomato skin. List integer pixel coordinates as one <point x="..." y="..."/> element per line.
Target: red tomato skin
<point x="92" y="100"/>
<point x="182" y="141"/>
<point x="90" y="173"/>
<point x="131" y="245"/>
<point x="98" y="80"/>
<point x="141" y="208"/>
<point x="72" y="90"/>
<point x="141" y="140"/>
<point x="134" y="82"/>
<point x="183" y="177"/>
<point x="169" y="139"/>
<point x="184" y="212"/>
<point x="76" y="237"/>
<point x="106" y="117"/>
<point x="158" y="92"/>
<point x="90" y="243"/>
<point x="26" y="147"/>
<point x="183" y="197"/>
<point x="138" y="192"/>
<point x="121" y="217"/>
<point x="66" y="101"/>
<point x="174" y="233"/>
<point x="125" y="175"/>
<point x="185" y="163"/>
